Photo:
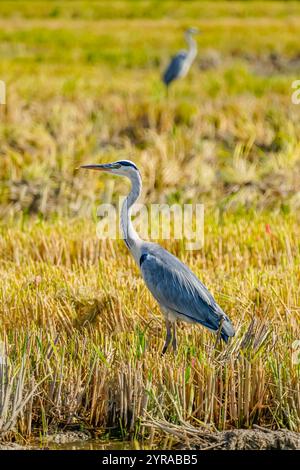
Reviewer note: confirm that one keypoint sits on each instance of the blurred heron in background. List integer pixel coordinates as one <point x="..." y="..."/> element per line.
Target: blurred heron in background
<point x="180" y="294"/>
<point x="181" y="62"/>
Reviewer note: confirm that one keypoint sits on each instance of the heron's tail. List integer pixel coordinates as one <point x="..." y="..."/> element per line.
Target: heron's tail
<point x="227" y="330"/>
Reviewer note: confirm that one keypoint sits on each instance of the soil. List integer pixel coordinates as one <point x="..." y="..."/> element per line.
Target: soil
<point x="69" y="436"/>
<point x="241" y="439"/>
<point x="13" y="446"/>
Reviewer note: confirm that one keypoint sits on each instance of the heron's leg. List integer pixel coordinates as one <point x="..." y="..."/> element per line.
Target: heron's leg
<point x="219" y="332"/>
<point x="168" y="337"/>
<point x="174" y="341"/>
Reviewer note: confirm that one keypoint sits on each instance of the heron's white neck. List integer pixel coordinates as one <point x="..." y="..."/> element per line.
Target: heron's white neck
<point x="192" y="52"/>
<point x="130" y="236"/>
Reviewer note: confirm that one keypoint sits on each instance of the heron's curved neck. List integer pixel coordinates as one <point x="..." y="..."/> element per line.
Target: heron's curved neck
<point x="192" y="45"/>
<point x="129" y="234"/>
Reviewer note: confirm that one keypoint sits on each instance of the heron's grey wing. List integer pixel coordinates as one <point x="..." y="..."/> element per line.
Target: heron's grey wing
<point x="177" y="288"/>
<point x="174" y="68"/>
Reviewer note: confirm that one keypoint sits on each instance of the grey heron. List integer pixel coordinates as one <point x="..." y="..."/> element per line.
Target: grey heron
<point x="181" y="62"/>
<point x="179" y="293"/>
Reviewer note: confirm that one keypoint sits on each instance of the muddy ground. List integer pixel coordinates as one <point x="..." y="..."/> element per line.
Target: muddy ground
<point x="243" y="439"/>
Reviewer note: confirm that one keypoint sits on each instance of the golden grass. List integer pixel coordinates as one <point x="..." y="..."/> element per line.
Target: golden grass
<point x="79" y="322"/>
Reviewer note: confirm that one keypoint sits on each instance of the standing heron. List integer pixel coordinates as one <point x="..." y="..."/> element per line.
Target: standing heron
<point x="181" y="62"/>
<point x="180" y="294"/>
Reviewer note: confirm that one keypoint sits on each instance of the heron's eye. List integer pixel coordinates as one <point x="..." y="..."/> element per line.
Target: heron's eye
<point x="127" y="164"/>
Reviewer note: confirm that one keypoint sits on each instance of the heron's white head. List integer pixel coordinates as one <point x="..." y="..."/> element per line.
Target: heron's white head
<point x="121" y="168"/>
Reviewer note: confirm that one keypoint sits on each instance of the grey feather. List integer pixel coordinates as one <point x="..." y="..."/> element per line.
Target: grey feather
<point x="175" y="67"/>
<point x="177" y="289"/>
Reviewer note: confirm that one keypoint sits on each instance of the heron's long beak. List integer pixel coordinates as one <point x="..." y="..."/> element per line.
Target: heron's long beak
<point x="103" y="167"/>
